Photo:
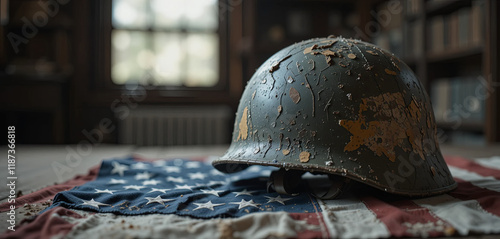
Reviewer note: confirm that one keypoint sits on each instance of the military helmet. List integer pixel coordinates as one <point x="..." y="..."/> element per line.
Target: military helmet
<point x="341" y="107"/>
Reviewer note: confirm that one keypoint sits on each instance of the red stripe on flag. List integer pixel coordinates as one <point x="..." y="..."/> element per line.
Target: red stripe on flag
<point x="50" y="191"/>
<point x="398" y="213"/>
<point x="46" y="225"/>
<point x="489" y="200"/>
<point x="472" y="166"/>
<point x="311" y="219"/>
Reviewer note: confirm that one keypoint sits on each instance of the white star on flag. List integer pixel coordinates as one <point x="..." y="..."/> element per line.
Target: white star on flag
<point x="159" y="163"/>
<point x="158" y="199"/>
<point x="144" y="175"/>
<point x="215" y="172"/>
<point x="185" y="186"/>
<point x="254" y="169"/>
<point x="243" y="204"/>
<point x="117" y="181"/>
<point x="277" y="199"/>
<point x="93" y="203"/>
<point x="136" y="187"/>
<point x="207" y="205"/>
<point x="197" y="175"/>
<point x="139" y="165"/>
<point x="172" y="169"/>
<point x="151" y="182"/>
<point x="175" y="179"/>
<point x="213" y="192"/>
<point x="192" y="164"/>
<point x="213" y="183"/>
<point x="163" y="190"/>
<point x="244" y="192"/>
<point x="105" y="191"/>
<point x="118" y="168"/>
<point x="265" y="173"/>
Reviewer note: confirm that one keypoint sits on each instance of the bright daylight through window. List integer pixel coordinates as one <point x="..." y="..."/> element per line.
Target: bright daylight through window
<point x="165" y="43"/>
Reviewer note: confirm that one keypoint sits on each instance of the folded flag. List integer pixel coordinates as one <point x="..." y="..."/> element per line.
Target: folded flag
<point x="180" y="187"/>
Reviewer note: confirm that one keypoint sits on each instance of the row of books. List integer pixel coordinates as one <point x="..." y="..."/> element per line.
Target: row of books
<point x="461" y="29"/>
<point x="414" y="46"/>
<point x="460" y="100"/>
<point x="390" y="36"/>
<point x="413" y="7"/>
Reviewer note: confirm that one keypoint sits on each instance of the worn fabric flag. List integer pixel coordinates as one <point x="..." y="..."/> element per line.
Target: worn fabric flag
<point x="186" y="198"/>
<point x="180" y="187"/>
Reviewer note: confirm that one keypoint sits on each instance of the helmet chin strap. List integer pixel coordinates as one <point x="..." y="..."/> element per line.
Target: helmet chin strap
<point x="285" y="181"/>
<point x="288" y="182"/>
<point x="337" y="186"/>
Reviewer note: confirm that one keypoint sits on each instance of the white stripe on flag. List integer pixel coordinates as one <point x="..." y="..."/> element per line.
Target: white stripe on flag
<point x="350" y="218"/>
<point x="255" y="225"/>
<point x="489" y="182"/>
<point x="465" y="216"/>
<point x="493" y="162"/>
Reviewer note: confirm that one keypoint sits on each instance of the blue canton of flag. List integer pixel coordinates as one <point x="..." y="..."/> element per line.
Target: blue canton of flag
<point x="180" y="187"/>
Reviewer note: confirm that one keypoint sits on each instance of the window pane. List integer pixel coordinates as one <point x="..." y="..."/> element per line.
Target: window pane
<point x="169" y="51"/>
<point x="129" y="14"/>
<point x="203" y="16"/>
<point x="202" y="69"/>
<point x="168" y="14"/>
<point x="129" y="51"/>
<point x="160" y="42"/>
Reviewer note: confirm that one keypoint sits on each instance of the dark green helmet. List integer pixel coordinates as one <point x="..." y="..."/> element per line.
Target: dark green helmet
<point x="341" y="107"/>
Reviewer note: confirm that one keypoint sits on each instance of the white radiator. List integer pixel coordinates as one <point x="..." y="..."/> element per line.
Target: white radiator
<point x="168" y="126"/>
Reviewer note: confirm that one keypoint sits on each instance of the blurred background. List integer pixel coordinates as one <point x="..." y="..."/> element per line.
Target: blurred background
<point x="171" y="72"/>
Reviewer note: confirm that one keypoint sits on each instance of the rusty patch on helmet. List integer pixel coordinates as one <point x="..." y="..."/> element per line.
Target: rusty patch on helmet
<point x="285" y="152"/>
<point x="351" y="56"/>
<point x="327" y="53"/>
<point x="309" y="49"/>
<point x="389" y="72"/>
<point x="304" y="156"/>
<point x="243" y="126"/>
<point x="329" y="43"/>
<point x="372" y="52"/>
<point x="399" y="124"/>
<point x="294" y="95"/>
<point x="276" y="65"/>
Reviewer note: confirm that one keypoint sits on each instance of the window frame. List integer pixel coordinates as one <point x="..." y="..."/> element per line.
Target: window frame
<point x="103" y="88"/>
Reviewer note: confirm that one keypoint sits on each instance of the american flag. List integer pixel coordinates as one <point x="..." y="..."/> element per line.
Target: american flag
<point x="182" y="187"/>
<point x="185" y="198"/>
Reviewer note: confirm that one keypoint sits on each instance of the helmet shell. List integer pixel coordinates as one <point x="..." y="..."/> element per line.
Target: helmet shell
<point x="344" y="107"/>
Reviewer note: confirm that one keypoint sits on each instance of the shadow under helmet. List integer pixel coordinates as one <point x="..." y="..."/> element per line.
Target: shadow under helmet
<point x="341" y="107"/>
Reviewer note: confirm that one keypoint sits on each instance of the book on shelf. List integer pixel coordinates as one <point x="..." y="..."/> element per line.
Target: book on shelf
<point x="477" y="22"/>
<point x="436" y="34"/>
<point x="414" y="46"/>
<point x="461" y="29"/>
<point x="463" y="16"/>
<point x="413" y="7"/>
<point x="458" y="100"/>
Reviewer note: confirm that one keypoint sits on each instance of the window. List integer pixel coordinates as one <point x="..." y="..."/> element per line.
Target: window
<point x="165" y="43"/>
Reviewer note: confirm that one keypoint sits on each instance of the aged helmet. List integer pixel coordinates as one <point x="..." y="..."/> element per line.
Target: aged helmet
<point x="342" y="107"/>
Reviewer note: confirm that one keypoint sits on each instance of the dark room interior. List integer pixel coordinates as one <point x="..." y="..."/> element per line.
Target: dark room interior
<point x="82" y="81"/>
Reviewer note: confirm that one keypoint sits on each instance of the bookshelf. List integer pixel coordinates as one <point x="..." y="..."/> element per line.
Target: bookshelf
<point x="453" y="47"/>
<point x="36" y="69"/>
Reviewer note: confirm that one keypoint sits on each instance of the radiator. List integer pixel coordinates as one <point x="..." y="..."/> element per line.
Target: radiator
<point x="166" y="126"/>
